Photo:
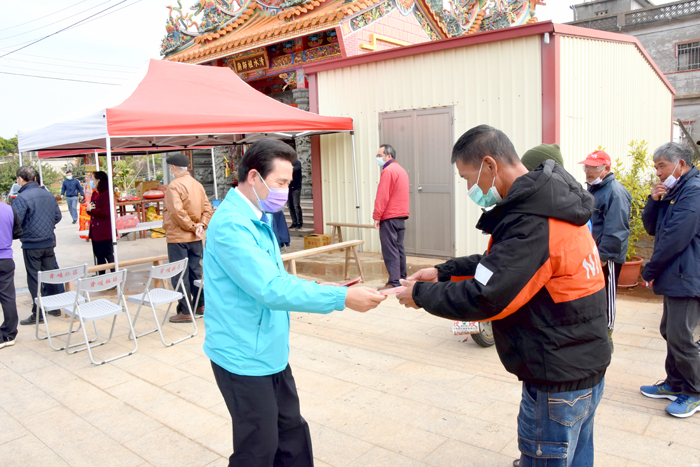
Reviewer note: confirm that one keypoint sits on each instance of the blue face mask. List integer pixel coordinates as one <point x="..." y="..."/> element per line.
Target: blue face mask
<point x="484" y="200"/>
<point x="92" y="184"/>
<point x="380" y="162"/>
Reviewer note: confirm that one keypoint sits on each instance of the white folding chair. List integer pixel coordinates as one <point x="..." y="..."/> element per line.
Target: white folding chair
<point x="157" y="297"/>
<point x="99" y="309"/>
<point x="58" y="301"/>
<point x="198" y="283"/>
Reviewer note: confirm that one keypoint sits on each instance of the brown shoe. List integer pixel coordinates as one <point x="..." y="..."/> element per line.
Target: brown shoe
<point x="180" y="318"/>
<point x="386" y="286"/>
<point x="199" y="312"/>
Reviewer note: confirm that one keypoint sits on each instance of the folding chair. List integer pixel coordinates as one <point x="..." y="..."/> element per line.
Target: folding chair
<point x="198" y="283"/>
<point x="157" y="297"/>
<point x="58" y="301"/>
<point x="99" y="309"/>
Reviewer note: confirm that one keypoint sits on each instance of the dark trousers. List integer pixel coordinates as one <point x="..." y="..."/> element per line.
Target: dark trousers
<point x="193" y="251"/>
<point x="34" y="261"/>
<point x="104" y="252"/>
<point x="680" y="317"/>
<point x="268" y="429"/>
<point x="8" y="330"/>
<point x="611" y="273"/>
<point x="391" y="233"/>
<point x="294" y="203"/>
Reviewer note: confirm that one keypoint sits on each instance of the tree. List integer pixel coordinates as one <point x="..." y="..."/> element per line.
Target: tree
<point x="8" y="146"/>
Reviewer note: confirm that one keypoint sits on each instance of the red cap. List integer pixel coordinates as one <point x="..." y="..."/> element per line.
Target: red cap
<point x="597" y="158"/>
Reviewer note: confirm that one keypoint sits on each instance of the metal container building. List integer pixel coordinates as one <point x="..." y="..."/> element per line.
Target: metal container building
<point x="538" y="83"/>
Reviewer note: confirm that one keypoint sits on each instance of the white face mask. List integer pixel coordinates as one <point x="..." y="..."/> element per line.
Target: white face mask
<point x="596" y="181"/>
<point x="671" y="180"/>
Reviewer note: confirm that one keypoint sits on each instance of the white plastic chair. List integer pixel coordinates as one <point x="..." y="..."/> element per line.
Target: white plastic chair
<point x="158" y="297"/>
<point x="99" y="309"/>
<point x="198" y="283"/>
<point x="58" y="301"/>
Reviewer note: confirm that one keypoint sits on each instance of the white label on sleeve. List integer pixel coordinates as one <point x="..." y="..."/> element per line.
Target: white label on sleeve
<point x="483" y="274"/>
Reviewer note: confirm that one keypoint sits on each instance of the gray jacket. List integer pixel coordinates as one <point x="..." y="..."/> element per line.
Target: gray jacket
<point x="611" y="219"/>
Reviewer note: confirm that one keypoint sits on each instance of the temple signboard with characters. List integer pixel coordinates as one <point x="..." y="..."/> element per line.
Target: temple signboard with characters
<point x="268" y="42"/>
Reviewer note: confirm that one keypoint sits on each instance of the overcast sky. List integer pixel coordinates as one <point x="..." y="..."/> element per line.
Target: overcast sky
<point x="105" y="49"/>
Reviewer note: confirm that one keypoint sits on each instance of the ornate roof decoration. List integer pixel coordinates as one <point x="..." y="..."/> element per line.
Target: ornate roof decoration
<point x="229" y="26"/>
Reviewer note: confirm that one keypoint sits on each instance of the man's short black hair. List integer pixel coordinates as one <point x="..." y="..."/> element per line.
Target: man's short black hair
<point x="389" y="150"/>
<point x="261" y="155"/>
<point x="27" y="173"/>
<point x="69" y="172"/>
<point x="481" y="141"/>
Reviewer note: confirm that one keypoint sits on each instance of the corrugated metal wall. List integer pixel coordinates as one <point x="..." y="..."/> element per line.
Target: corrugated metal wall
<point x="498" y="83"/>
<point x="610" y="95"/>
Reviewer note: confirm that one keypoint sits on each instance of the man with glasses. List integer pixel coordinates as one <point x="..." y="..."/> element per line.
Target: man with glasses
<point x="610" y="224"/>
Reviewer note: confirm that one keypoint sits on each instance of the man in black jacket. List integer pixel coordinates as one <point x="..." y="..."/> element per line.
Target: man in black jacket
<point x="294" y="200"/>
<point x="672" y="216"/>
<point x="611" y="224"/>
<point x="540" y="283"/>
<point x="38" y="214"/>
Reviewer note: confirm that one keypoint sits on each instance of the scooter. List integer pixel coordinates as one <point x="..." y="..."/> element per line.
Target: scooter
<point x="481" y="331"/>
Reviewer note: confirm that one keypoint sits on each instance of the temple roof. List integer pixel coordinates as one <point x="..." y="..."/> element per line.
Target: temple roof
<point x="255" y="28"/>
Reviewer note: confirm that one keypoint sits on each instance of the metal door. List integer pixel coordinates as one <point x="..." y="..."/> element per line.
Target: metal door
<point x="423" y="142"/>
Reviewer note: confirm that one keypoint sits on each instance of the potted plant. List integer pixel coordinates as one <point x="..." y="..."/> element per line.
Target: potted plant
<point x="636" y="179"/>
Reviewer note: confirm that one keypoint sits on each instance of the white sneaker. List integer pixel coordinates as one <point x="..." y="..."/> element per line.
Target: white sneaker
<point x="7" y="344"/>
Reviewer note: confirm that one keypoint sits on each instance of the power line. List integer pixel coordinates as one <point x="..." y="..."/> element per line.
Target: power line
<point x="46" y="16"/>
<point x="61" y="30"/>
<point x="72" y="61"/>
<point x="69" y="74"/>
<point x="55" y="22"/>
<point x="125" y="6"/>
<point x="65" y="66"/>
<point x="59" y="79"/>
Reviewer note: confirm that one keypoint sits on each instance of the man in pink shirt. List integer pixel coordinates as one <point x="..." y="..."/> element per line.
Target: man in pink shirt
<point x="390" y="214"/>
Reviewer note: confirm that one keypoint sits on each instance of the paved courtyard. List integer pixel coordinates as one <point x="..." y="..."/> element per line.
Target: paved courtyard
<point x="392" y="387"/>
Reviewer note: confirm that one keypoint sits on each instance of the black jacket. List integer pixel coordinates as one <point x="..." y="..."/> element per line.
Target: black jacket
<point x="540" y="282"/>
<point x="38" y="212"/>
<point x="675" y="223"/>
<point x="611" y="219"/>
<point x="296" y="176"/>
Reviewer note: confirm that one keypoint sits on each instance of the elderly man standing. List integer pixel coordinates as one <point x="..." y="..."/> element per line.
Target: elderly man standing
<point x="38" y="213"/>
<point x="672" y="216"/>
<point x="390" y="214"/>
<point x="72" y="189"/>
<point x="186" y="216"/>
<point x="610" y="224"/>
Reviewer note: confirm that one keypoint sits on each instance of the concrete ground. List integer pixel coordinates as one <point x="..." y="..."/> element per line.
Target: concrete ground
<point x="392" y="387"/>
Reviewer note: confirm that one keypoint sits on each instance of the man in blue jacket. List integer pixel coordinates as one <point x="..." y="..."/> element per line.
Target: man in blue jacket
<point x="38" y="214"/>
<point x="72" y="189"/>
<point x="610" y="224"/>
<point x="248" y="296"/>
<point x="672" y="216"/>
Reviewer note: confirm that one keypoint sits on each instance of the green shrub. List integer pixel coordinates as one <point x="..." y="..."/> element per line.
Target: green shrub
<point x="637" y="179"/>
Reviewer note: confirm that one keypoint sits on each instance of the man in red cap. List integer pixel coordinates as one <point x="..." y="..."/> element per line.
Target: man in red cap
<point x="610" y="223"/>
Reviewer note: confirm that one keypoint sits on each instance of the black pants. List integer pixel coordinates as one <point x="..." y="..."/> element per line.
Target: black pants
<point x="34" y="261"/>
<point x="104" y="252"/>
<point x="8" y="330"/>
<point x="268" y="429"/>
<point x="611" y="273"/>
<point x="294" y="203"/>
<point x="681" y="316"/>
<point x="193" y="251"/>
<point x="391" y="233"/>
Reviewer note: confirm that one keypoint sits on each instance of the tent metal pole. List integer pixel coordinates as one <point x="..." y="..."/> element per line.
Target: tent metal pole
<point x="97" y="161"/>
<point x="112" y="203"/>
<point x="41" y="173"/>
<point x="357" y="190"/>
<point x="213" y="169"/>
<point x="148" y="166"/>
<point x="155" y="170"/>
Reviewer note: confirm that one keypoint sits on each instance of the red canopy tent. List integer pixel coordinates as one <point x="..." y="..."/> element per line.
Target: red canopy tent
<point x="179" y="105"/>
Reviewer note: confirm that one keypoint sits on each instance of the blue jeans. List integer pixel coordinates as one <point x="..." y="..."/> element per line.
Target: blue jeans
<point x="556" y="429"/>
<point x="73" y="206"/>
